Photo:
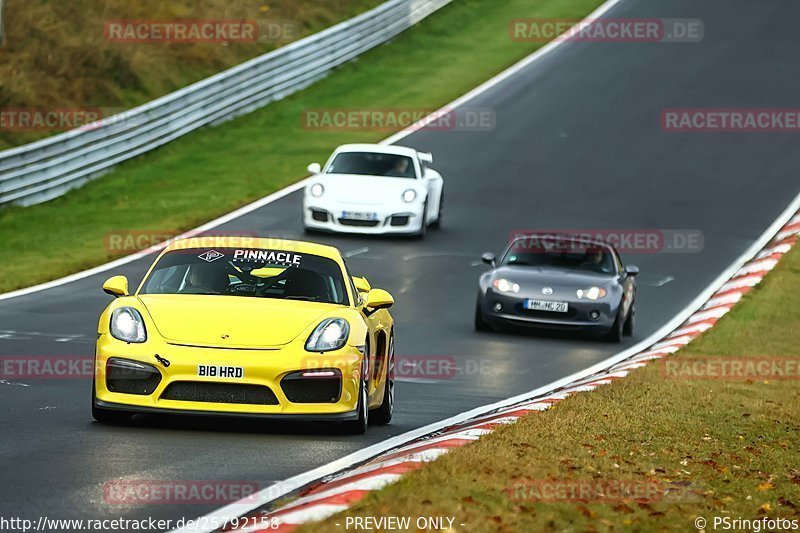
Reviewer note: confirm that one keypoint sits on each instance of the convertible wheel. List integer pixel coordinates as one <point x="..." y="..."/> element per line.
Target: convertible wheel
<point x="359" y="426"/>
<point x="105" y="416"/>
<point x="615" y="334"/>
<point x="480" y="322"/>
<point x="630" y="322"/>
<point x="383" y="414"/>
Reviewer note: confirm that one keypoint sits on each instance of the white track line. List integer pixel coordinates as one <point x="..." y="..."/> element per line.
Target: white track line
<point x="514" y="69"/>
<point x="283" y="488"/>
<point x="317" y="511"/>
<point x="287" y="486"/>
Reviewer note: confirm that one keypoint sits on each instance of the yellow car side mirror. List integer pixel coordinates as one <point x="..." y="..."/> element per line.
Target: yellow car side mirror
<point x="362" y="285"/>
<point x="116" y="286"/>
<point x="379" y="299"/>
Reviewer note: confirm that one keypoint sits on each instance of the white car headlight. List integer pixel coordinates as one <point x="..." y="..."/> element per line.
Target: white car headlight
<point x="503" y="285"/>
<point x="592" y="293"/>
<point x="331" y="334"/>
<point x="409" y="196"/>
<point x="127" y="325"/>
<point x="317" y="190"/>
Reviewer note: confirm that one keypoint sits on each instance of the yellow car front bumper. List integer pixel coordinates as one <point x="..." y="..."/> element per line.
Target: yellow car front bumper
<point x="292" y="375"/>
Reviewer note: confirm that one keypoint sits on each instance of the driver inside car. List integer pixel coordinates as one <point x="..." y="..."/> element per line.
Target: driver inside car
<point x="399" y="168"/>
<point x="598" y="261"/>
<point x="205" y="278"/>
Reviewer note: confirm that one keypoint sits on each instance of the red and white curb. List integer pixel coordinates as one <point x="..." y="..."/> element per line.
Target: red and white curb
<point x="329" y="496"/>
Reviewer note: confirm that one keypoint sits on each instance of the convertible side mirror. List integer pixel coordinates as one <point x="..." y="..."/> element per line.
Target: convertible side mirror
<point x="379" y="299"/>
<point x="632" y="270"/>
<point x="314" y="168"/>
<point x="116" y="286"/>
<point x="362" y="285"/>
<point x="489" y="258"/>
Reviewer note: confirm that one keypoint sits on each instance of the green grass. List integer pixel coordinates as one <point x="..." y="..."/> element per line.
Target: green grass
<point x="216" y="170"/>
<point x="56" y="55"/>
<point x="726" y="448"/>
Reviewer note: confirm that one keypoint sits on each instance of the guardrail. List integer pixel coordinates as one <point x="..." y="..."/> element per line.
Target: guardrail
<point x="46" y="169"/>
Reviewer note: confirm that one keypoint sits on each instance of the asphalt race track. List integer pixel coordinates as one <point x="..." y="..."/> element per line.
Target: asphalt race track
<point x="577" y="144"/>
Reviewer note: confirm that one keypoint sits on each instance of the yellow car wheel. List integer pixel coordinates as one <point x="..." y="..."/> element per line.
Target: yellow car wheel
<point x="383" y="414"/>
<point x="359" y="426"/>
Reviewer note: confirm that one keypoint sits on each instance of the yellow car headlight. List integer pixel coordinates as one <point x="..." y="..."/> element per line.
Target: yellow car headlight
<point x="331" y="334"/>
<point x="127" y="325"/>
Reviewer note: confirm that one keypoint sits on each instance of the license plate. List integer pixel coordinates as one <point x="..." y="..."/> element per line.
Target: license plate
<point x="357" y="215"/>
<point x="216" y="371"/>
<point x="546" y="305"/>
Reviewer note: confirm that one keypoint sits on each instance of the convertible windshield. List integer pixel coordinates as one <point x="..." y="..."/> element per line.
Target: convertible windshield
<point x="255" y="273"/>
<point x="372" y="164"/>
<point x="561" y="254"/>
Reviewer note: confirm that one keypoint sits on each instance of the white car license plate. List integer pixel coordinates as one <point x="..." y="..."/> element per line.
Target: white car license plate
<point x="547" y="305"/>
<point x="357" y="215"/>
<point x="216" y="371"/>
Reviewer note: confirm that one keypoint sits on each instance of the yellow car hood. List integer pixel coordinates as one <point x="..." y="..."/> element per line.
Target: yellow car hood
<point x="231" y="321"/>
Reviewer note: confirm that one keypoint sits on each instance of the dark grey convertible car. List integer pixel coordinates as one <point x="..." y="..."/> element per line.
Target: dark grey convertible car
<point x="558" y="282"/>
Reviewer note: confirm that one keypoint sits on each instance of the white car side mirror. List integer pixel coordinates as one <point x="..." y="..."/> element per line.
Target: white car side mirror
<point x="314" y="168"/>
<point x="426" y="157"/>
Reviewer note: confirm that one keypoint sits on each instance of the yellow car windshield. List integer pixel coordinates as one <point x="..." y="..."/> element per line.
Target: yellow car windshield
<point x="241" y="272"/>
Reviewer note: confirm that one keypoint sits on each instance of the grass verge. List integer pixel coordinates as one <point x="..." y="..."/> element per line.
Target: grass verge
<point x="724" y="448"/>
<point x="57" y="55"/>
<point x="218" y="169"/>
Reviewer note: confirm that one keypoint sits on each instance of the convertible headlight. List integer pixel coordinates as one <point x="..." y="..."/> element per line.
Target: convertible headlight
<point x="409" y="196"/>
<point x="127" y="325"/>
<point x="317" y="190"/>
<point x="593" y="293"/>
<point x="331" y="334"/>
<point x="503" y="285"/>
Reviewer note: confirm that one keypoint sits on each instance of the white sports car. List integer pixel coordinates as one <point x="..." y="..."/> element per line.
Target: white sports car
<point x="374" y="189"/>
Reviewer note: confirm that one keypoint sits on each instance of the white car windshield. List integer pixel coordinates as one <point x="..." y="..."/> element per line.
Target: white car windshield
<point x="373" y="164"/>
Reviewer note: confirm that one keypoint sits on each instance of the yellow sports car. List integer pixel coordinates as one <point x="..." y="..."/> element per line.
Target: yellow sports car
<point x="245" y="326"/>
